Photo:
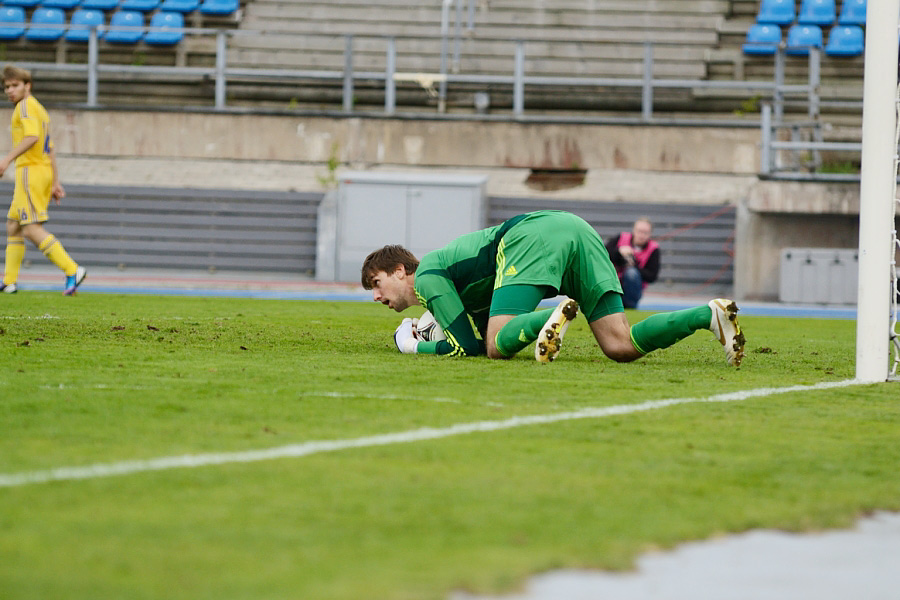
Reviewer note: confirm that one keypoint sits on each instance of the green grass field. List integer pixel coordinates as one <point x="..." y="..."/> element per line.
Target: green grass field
<point x="101" y="379"/>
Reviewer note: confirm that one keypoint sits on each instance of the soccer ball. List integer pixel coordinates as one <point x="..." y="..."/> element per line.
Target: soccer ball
<point x="428" y="329"/>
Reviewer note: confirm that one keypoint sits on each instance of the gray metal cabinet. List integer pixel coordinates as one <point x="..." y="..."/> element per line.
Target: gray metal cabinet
<point x="369" y="210"/>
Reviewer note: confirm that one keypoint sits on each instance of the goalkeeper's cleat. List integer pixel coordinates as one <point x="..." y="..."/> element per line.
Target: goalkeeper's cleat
<point x="73" y="281"/>
<point x="550" y="338"/>
<point x="8" y="288"/>
<point x="724" y="326"/>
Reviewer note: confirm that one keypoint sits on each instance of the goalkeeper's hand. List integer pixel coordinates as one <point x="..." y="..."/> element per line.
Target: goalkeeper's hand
<point x="405" y="338"/>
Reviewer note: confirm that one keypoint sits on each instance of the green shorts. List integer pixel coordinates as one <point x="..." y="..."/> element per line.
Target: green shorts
<point x="562" y="254"/>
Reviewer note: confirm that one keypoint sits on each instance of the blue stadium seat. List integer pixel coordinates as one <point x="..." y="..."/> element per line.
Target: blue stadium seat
<point x="170" y="32"/>
<point x="853" y="12"/>
<point x="81" y="22"/>
<point x="218" y="7"/>
<point x="817" y="12"/>
<point x="143" y="6"/>
<point x="762" y="39"/>
<point x="104" y="5"/>
<point x="800" y="38"/>
<point x="47" y="25"/>
<point x="63" y="4"/>
<point x="776" y="12"/>
<point x="845" y="40"/>
<point x="22" y="3"/>
<point x="12" y="22"/>
<point x="130" y="19"/>
<point x="181" y="6"/>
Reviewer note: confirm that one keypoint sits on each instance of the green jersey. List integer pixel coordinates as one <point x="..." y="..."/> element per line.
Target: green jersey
<point x="455" y="284"/>
<point x="554" y="250"/>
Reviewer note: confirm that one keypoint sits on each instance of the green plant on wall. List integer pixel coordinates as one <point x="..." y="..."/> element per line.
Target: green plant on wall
<point x="748" y="106"/>
<point x="329" y="180"/>
<point x="845" y="167"/>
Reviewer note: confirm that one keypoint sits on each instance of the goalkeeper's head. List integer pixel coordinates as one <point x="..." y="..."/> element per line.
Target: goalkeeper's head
<point x="387" y="260"/>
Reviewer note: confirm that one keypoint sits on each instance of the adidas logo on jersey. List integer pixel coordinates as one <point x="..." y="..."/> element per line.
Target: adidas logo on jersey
<point x="510" y="271"/>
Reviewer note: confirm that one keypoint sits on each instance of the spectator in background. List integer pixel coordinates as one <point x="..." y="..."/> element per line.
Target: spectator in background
<point x="636" y="258"/>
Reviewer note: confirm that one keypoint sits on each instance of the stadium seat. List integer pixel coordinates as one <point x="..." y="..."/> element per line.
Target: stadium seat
<point x="22" y="3"/>
<point x="817" y="12"/>
<point x="12" y="22"/>
<point x="63" y="4"/>
<point x="218" y="7"/>
<point x="104" y="5"/>
<point x="170" y="29"/>
<point x="132" y="21"/>
<point x="776" y="12"/>
<point x="762" y="39"/>
<point x="143" y="6"/>
<point x="800" y="38"/>
<point x="853" y="12"/>
<point x="180" y="6"/>
<point x="81" y="22"/>
<point x="47" y="25"/>
<point x="845" y="40"/>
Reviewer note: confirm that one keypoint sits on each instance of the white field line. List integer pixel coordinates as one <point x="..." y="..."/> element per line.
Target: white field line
<point x="402" y="437"/>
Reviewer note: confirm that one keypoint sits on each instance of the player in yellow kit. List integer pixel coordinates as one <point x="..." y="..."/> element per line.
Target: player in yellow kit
<point x="37" y="181"/>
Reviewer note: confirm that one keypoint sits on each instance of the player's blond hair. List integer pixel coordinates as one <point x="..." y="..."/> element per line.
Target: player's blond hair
<point x="13" y="73"/>
<point x="387" y="259"/>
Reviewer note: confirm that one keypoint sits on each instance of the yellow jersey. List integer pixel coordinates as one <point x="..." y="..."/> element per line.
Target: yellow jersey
<point x="31" y="119"/>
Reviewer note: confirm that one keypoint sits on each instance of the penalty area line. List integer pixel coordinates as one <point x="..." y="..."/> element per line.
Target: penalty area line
<point x="403" y="437"/>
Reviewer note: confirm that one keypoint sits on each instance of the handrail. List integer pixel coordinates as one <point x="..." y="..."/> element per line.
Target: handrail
<point x="517" y="79"/>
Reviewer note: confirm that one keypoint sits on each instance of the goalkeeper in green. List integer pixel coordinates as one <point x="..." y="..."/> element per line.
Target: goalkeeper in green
<point x="484" y="288"/>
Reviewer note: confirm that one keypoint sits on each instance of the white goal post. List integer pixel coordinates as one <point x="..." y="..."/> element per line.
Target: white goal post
<point x="877" y="191"/>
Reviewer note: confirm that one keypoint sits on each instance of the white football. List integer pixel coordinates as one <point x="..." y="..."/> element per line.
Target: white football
<point x="428" y="329"/>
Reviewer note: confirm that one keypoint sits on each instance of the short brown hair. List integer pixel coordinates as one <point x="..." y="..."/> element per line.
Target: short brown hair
<point x="12" y="73"/>
<point x="387" y="259"/>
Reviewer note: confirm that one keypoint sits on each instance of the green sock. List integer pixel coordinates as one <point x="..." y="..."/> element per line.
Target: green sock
<point x="665" y="329"/>
<point x="521" y="331"/>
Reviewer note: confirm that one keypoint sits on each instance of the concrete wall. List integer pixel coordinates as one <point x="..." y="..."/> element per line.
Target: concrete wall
<point x="404" y="142"/>
<point x="777" y="215"/>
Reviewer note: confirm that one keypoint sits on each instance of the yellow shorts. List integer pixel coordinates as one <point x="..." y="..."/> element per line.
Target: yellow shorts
<point x="32" y="195"/>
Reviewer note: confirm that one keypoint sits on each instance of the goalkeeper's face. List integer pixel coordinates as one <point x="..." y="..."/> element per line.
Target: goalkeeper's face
<point x="394" y="290"/>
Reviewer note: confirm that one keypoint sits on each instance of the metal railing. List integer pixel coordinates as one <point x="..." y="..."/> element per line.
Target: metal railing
<point x="446" y="75"/>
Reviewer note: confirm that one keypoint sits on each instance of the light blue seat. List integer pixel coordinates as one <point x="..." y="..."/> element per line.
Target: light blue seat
<point x="166" y="29"/>
<point x="817" y="12"/>
<point x="63" y="4"/>
<point x="104" y="5"/>
<point x="800" y="38"/>
<point x="143" y="6"/>
<point x="12" y="22"/>
<point x="47" y="25"/>
<point x="22" y="3"/>
<point x="845" y="40"/>
<point x="762" y="39"/>
<point x="81" y="22"/>
<point x="853" y="12"/>
<point x="132" y="23"/>
<point x="180" y="6"/>
<point x="219" y="7"/>
<point x="777" y="12"/>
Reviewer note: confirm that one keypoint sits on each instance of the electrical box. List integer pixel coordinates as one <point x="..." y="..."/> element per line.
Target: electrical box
<point x="819" y="275"/>
<point x="422" y="212"/>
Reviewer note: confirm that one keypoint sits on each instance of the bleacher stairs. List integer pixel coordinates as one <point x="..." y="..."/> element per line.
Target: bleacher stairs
<point x="562" y="38"/>
<point x="694" y="39"/>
